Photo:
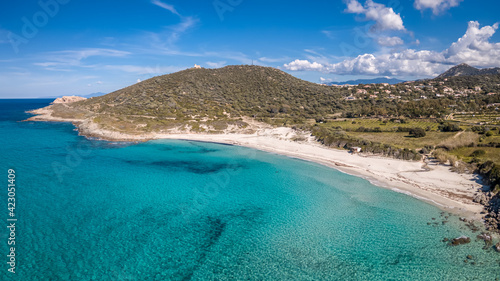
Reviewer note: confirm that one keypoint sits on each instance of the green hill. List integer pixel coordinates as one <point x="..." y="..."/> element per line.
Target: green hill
<point x="237" y="90"/>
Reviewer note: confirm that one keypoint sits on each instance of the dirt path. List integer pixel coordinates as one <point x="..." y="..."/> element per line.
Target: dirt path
<point x="458" y="134"/>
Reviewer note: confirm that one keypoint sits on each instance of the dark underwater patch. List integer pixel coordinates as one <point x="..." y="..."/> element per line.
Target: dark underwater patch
<point x="164" y="148"/>
<point x="188" y="166"/>
<point x="215" y="230"/>
<point x="196" y="167"/>
<point x="200" y="151"/>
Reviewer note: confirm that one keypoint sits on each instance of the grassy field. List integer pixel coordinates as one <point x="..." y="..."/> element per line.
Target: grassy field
<point x="402" y="140"/>
<point x="388" y="126"/>
<point x="471" y="119"/>
<point x="464" y="153"/>
<point x="456" y="143"/>
<point x="494" y="138"/>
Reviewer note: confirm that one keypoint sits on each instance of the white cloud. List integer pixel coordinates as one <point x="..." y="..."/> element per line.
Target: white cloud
<point x="99" y="82"/>
<point x="271" y="60"/>
<point x="166" y="6"/>
<point x="299" y="65"/>
<point x="437" y="6"/>
<point x="389" y="41"/>
<point x="144" y="70"/>
<point x="216" y="64"/>
<point x="328" y="34"/>
<point x="61" y="59"/>
<point x="354" y="6"/>
<point x="473" y="48"/>
<point x="385" y="18"/>
<point x="166" y="40"/>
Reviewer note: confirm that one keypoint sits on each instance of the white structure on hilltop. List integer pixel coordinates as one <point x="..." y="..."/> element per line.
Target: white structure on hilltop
<point x="197" y="66"/>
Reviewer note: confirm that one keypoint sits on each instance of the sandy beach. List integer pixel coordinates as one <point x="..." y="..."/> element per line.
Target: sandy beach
<point x="436" y="185"/>
<point x="431" y="182"/>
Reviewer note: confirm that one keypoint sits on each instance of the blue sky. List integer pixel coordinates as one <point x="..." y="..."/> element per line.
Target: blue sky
<point x="65" y="47"/>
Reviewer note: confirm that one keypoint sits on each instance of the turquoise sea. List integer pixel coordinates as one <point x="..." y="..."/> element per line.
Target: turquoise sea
<point x="183" y="210"/>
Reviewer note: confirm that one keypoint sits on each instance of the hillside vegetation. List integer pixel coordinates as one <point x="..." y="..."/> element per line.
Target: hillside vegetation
<point x="452" y="118"/>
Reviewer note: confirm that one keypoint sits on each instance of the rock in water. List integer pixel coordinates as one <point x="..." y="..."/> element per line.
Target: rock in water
<point x="485" y="236"/>
<point x="460" y="240"/>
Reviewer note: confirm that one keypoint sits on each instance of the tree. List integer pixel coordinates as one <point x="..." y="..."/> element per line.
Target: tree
<point x="417" y="133"/>
<point x="449" y="127"/>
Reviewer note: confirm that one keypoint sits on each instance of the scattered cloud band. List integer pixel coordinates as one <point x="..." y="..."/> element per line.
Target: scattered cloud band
<point x="473" y="48"/>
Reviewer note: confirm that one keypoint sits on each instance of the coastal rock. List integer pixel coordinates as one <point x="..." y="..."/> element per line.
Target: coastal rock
<point x="460" y="240"/>
<point x="484" y="236"/>
<point x="68" y="99"/>
<point x="497" y="247"/>
<point x="481" y="198"/>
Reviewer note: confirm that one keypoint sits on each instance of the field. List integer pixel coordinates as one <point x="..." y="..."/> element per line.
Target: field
<point x="465" y="153"/>
<point x="402" y="140"/>
<point x="384" y="125"/>
<point x="461" y="144"/>
<point x="476" y="119"/>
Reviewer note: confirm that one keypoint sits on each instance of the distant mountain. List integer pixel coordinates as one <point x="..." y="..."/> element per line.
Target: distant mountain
<point x="467" y="70"/>
<point x="369" y="81"/>
<point x="98" y="94"/>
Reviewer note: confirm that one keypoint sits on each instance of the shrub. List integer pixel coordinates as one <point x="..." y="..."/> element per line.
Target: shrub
<point x="417" y="133"/>
<point x="453" y="160"/>
<point x="426" y="149"/>
<point x="478" y="153"/>
<point x="449" y="127"/>
<point x="403" y="129"/>
<point x="440" y="156"/>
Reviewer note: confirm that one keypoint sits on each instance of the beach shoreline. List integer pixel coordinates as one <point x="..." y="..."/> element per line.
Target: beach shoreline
<point x="430" y="182"/>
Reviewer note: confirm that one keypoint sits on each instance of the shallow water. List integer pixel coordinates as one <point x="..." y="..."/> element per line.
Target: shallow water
<point x="181" y="210"/>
